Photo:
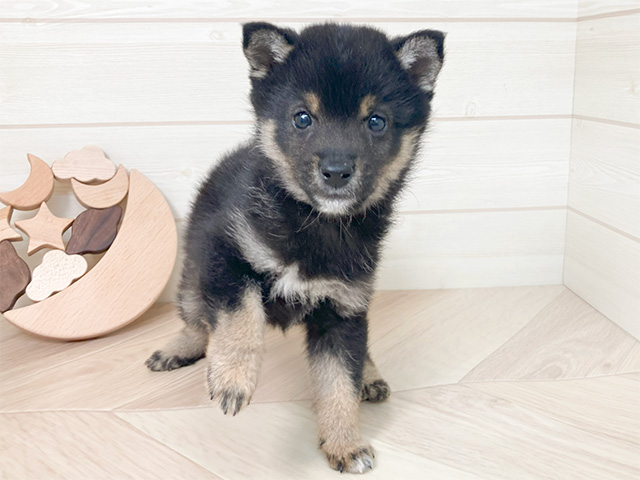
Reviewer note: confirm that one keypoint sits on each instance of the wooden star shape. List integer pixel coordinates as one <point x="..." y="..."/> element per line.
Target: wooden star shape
<point x="6" y="232"/>
<point x="44" y="230"/>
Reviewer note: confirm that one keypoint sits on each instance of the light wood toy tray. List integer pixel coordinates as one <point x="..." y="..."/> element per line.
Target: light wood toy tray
<point x="126" y="215"/>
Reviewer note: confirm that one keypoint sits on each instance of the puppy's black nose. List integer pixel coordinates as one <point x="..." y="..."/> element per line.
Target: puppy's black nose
<point x="336" y="168"/>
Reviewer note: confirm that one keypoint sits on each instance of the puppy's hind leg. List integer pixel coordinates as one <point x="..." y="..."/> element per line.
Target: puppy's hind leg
<point x="190" y="344"/>
<point x="185" y="349"/>
<point x="374" y="388"/>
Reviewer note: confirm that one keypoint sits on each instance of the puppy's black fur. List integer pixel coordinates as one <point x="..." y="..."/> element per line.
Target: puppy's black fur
<point x="288" y="228"/>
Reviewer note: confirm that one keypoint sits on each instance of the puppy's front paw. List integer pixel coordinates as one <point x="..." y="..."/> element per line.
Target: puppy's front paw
<point x="231" y="388"/>
<point x="231" y="401"/>
<point x="358" y="459"/>
<point x="375" y="391"/>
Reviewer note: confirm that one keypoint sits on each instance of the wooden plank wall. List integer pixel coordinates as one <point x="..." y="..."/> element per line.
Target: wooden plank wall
<point x="602" y="258"/>
<point x="162" y="87"/>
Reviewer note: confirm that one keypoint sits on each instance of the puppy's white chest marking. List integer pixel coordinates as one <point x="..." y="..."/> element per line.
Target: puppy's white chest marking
<point x="287" y="281"/>
<point x="294" y="288"/>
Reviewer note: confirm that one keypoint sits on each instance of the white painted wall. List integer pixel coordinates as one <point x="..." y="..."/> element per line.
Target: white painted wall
<point x="602" y="257"/>
<point x="162" y="87"/>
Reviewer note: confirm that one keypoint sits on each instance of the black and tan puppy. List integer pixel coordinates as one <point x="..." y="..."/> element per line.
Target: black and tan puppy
<point x="287" y="229"/>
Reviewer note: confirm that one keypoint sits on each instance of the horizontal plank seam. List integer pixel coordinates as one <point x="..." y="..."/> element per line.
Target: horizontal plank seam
<point x="196" y="123"/>
<point x="619" y="13"/>
<point x="185" y="123"/>
<point x="604" y="224"/>
<point x="483" y="210"/>
<point x="607" y="121"/>
<point x="29" y="20"/>
<point x="485" y="118"/>
<point x="180" y="220"/>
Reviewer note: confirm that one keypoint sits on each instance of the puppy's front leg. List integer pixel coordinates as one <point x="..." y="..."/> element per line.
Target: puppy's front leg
<point x="337" y="349"/>
<point x="235" y="351"/>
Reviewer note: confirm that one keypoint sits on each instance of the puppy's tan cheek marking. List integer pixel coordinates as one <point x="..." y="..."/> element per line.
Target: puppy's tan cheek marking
<point x="366" y="105"/>
<point x="337" y="405"/>
<point x="284" y="164"/>
<point x="312" y="102"/>
<point x="391" y="172"/>
<point x="236" y="348"/>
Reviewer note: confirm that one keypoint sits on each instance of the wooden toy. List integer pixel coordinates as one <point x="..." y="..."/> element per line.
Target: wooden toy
<point x="125" y="282"/>
<point x="37" y="189"/>
<point x="6" y="232"/>
<point x="55" y="273"/>
<point x="14" y="276"/>
<point x="94" y="230"/>
<point x="104" y="195"/>
<point x="44" y="230"/>
<point x="87" y="165"/>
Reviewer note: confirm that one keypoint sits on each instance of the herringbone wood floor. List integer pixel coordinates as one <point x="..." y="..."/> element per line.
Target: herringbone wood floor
<point x="499" y="383"/>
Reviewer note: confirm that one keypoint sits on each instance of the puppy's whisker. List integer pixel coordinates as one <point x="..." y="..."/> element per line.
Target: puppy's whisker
<point x="302" y="227"/>
<point x="312" y="221"/>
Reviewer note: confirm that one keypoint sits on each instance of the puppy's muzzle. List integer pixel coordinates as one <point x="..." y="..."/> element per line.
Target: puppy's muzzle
<point x="336" y="167"/>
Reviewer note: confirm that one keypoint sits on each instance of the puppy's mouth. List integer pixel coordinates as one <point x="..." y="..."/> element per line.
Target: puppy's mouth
<point x="334" y="206"/>
<point x="333" y="201"/>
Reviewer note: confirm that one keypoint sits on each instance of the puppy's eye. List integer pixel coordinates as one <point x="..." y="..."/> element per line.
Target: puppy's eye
<point x="377" y="123"/>
<point x="302" y="120"/>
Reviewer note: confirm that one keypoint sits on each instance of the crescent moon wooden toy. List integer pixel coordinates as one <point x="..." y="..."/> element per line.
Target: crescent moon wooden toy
<point x="86" y="165"/>
<point x="44" y="230"/>
<point x="37" y="189"/>
<point x="6" y="232"/>
<point x="14" y="276"/>
<point x="104" y="195"/>
<point x="124" y="283"/>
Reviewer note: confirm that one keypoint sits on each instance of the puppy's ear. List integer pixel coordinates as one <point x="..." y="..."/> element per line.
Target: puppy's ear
<point x="265" y="45"/>
<point x="421" y="54"/>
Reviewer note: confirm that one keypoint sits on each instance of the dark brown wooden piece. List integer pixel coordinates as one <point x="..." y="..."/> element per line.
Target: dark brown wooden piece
<point x="94" y="230"/>
<point x="14" y="276"/>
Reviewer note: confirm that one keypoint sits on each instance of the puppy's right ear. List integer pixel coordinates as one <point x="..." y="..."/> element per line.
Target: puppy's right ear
<point x="265" y="45"/>
<point x="421" y="54"/>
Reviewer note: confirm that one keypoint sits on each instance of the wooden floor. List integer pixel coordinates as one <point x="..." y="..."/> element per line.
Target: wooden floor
<point x="513" y="383"/>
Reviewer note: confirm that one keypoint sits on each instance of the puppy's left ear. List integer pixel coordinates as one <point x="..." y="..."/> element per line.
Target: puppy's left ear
<point x="265" y="45"/>
<point x="421" y="54"/>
